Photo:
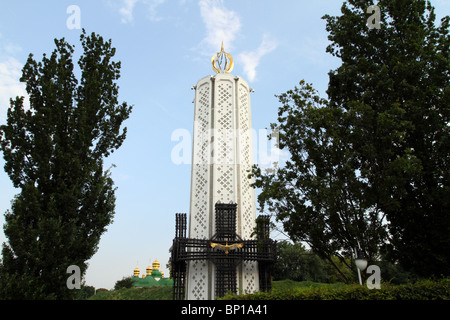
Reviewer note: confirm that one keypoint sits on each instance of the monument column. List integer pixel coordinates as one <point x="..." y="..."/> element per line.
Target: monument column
<point x="222" y="157"/>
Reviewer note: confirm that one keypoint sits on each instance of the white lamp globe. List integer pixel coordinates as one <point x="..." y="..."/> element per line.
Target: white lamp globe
<point x="361" y="264"/>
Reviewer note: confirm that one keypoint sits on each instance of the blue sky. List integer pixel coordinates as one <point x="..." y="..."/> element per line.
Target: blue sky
<point x="165" y="47"/>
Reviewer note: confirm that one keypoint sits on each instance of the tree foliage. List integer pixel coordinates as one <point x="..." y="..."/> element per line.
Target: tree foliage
<point x="126" y="282"/>
<point x="370" y="165"/>
<point x="295" y="262"/>
<point x="54" y="154"/>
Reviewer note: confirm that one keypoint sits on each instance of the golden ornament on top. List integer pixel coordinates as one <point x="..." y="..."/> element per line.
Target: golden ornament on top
<point x="222" y="62"/>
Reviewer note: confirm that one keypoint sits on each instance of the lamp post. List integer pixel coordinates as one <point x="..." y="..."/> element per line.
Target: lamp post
<point x="361" y="262"/>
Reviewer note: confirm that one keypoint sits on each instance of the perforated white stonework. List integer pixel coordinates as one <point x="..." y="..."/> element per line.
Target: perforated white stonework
<point x="198" y="280"/>
<point x="197" y="277"/>
<point x="250" y="276"/>
<point x="224" y="124"/>
<point x="224" y="143"/>
<point x="246" y="205"/>
<point x="247" y="196"/>
<point x="199" y="226"/>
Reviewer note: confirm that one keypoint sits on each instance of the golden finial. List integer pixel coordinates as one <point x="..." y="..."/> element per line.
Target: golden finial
<point x="222" y="62"/>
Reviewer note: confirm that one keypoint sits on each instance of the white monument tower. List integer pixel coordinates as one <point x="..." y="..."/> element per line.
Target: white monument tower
<point x="222" y="157"/>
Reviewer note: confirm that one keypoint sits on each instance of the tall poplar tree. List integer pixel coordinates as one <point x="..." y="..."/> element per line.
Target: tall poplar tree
<point x="54" y="154"/>
<point x="370" y="165"/>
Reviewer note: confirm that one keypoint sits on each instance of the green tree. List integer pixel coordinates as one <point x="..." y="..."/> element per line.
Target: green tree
<point x="54" y="154"/>
<point x="317" y="193"/>
<point x="394" y="95"/>
<point x="296" y="263"/>
<point x="85" y="292"/>
<point x="126" y="282"/>
<point x="369" y="166"/>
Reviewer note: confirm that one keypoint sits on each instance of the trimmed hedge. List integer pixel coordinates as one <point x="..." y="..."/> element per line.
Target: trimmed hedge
<point x="422" y="290"/>
<point x="150" y="293"/>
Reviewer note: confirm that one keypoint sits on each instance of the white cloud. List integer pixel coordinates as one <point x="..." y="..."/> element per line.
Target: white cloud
<point x="251" y="59"/>
<point x="126" y="11"/>
<point x="152" y="5"/>
<point x="10" y="86"/>
<point x="221" y="25"/>
<point x="225" y="25"/>
<point x="128" y="6"/>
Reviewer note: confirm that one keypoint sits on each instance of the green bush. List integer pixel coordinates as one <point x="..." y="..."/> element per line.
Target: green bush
<point x="422" y="290"/>
<point x="152" y="293"/>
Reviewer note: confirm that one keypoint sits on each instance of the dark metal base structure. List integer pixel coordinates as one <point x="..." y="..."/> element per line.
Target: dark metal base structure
<point x="225" y="249"/>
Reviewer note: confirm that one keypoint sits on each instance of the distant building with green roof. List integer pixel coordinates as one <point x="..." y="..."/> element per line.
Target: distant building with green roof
<point x="152" y="278"/>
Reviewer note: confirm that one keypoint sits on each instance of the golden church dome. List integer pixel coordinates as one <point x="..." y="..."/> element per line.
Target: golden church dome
<point x="149" y="270"/>
<point x="136" y="272"/>
<point x="156" y="265"/>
